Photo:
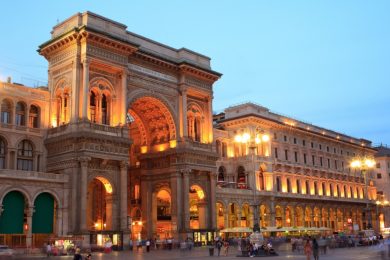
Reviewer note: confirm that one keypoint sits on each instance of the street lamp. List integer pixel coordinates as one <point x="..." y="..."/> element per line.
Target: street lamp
<point x="253" y="139"/>
<point x="364" y="164"/>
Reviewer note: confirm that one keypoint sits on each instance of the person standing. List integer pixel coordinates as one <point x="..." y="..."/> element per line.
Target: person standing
<point x="315" y="249"/>
<point x="308" y="250"/>
<point x="219" y="246"/>
<point x="148" y="245"/>
<point x="48" y="250"/>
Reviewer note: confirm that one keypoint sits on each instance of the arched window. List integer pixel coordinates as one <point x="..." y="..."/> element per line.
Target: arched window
<point x="323" y="189"/>
<point x="315" y="188"/>
<point x="20" y="114"/>
<point x="241" y="178"/>
<point x="33" y="117"/>
<point x="299" y="191"/>
<point x="25" y="156"/>
<point x="362" y="193"/>
<point x="261" y="180"/>
<point x="221" y="174"/>
<point x="224" y="149"/>
<point x="105" y="120"/>
<point x="6" y="110"/>
<point x="197" y="129"/>
<point x="92" y="107"/>
<point x="218" y="147"/>
<point x="2" y="153"/>
<point x="278" y="186"/>
<point x="288" y="185"/>
<point x="307" y="187"/>
<point x="62" y="106"/>
<point x="194" y="123"/>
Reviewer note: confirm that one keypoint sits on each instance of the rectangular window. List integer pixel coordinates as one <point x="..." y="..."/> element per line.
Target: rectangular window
<point x="328" y="163"/>
<point x="313" y="160"/>
<point x="320" y="146"/>
<point x="136" y="191"/>
<point x="303" y="142"/>
<point x="276" y="152"/>
<point x="304" y="158"/>
<point x="321" y="161"/>
<point x="296" y="156"/>
<point x="334" y="150"/>
<point x="341" y="151"/>
<point x="327" y="149"/>
<point x="286" y="155"/>
<point x="335" y="164"/>
<point x="379" y="176"/>
<point x="295" y="140"/>
<point x="378" y="165"/>
<point x="312" y="145"/>
<point x="275" y="136"/>
<point x="347" y="153"/>
<point x="342" y="165"/>
<point x="285" y="138"/>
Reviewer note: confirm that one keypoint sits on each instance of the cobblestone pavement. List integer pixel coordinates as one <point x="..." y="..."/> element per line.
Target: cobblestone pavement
<point x="374" y="252"/>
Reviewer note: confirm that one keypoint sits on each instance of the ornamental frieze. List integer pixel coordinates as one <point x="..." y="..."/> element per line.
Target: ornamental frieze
<point x="95" y="71"/>
<point x="104" y="54"/>
<point x="139" y="80"/>
<point x="59" y="72"/>
<point x="147" y="71"/>
<point x="62" y="55"/>
<point x="198" y="83"/>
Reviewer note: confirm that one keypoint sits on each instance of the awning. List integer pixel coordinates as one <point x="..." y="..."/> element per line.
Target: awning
<point x="237" y="230"/>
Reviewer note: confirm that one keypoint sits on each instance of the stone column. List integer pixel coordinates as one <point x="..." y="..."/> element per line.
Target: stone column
<point x="29" y="213"/>
<point x="226" y="223"/>
<point x="83" y="193"/>
<point x="109" y="212"/>
<point x="202" y="214"/>
<point x="175" y="212"/>
<point x="85" y="88"/>
<point x="238" y="214"/>
<point x="184" y="101"/>
<point x="212" y="211"/>
<point x="124" y="98"/>
<point x="210" y="119"/>
<point x="59" y="228"/>
<point x="272" y="212"/>
<point x="186" y="190"/>
<point x="123" y="196"/>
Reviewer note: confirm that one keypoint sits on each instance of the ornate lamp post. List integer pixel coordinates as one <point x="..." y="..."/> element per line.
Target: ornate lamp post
<point x="253" y="139"/>
<point x="364" y="164"/>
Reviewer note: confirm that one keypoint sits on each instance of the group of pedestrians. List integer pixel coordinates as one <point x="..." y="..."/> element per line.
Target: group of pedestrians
<point x="311" y="248"/>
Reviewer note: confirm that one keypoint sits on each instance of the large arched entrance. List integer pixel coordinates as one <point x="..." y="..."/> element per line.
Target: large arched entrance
<point x="220" y="215"/>
<point x="13" y="226"/>
<point x="44" y="219"/>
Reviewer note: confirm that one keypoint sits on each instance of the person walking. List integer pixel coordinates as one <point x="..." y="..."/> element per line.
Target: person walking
<point x="315" y="249"/>
<point x="308" y="250"/>
<point x="226" y="246"/>
<point x="219" y="246"/>
<point x="77" y="255"/>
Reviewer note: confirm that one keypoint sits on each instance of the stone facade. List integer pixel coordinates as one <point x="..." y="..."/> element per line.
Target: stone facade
<point x="295" y="174"/>
<point x="121" y="145"/>
<point x="382" y="175"/>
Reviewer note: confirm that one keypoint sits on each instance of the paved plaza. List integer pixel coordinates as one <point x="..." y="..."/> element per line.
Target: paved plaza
<point x="374" y="252"/>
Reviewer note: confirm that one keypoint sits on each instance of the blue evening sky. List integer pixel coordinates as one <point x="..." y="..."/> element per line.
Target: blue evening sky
<point x="324" y="62"/>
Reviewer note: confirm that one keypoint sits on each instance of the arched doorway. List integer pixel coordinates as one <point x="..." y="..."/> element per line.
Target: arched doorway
<point x="279" y="216"/>
<point x="232" y="218"/>
<point x="264" y="216"/>
<point x="299" y="216"/>
<point x="163" y="210"/>
<point x="44" y="218"/>
<point x="246" y="216"/>
<point x="100" y="213"/>
<point x="220" y="215"/>
<point x="198" y="208"/>
<point x="13" y="225"/>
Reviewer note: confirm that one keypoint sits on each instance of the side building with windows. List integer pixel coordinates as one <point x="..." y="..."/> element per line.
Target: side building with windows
<point x="382" y="175"/>
<point x="32" y="201"/>
<point x="295" y="175"/>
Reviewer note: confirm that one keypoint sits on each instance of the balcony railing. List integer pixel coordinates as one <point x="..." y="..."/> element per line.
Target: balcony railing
<point x="119" y="131"/>
<point x="22" y="128"/>
<point x="19" y="174"/>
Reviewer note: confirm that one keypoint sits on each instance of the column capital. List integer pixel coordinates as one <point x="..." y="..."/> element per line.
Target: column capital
<point x="86" y="61"/>
<point x="123" y="165"/>
<point x="30" y="211"/>
<point x="185" y="172"/>
<point x="84" y="161"/>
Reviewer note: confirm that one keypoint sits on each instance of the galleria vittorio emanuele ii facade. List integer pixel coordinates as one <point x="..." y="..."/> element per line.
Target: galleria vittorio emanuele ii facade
<point x="122" y="144"/>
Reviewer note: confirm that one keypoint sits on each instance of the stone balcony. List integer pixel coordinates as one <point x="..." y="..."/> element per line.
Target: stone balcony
<point x="21" y="129"/>
<point x="31" y="175"/>
<point x="86" y="126"/>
